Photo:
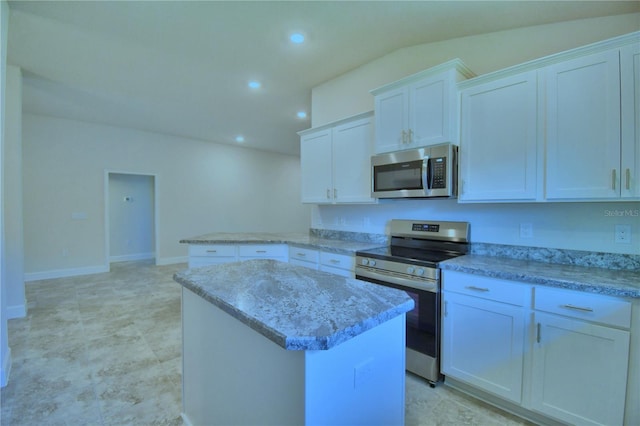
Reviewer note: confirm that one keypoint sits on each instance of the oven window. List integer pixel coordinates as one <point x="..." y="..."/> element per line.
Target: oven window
<point x="393" y="177"/>
<point x="422" y="333"/>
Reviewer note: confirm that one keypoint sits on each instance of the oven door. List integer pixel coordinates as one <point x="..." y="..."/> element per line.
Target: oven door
<point x="423" y="323"/>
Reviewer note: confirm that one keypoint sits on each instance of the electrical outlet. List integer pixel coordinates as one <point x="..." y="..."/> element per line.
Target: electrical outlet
<point x="526" y="230"/>
<point x="362" y="373"/>
<point x="623" y="234"/>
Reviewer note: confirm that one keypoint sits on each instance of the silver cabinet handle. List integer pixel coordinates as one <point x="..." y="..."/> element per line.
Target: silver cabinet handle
<point x="576" y="308"/>
<point x="472" y="287"/>
<point x="613" y="178"/>
<point x="404" y="137"/>
<point x="410" y="136"/>
<point x="628" y="179"/>
<point x="212" y="251"/>
<point x="335" y="193"/>
<point x="328" y="194"/>
<point x="538" y="333"/>
<point x="334" y="261"/>
<point x="301" y="254"/>
<point x="446" y="308"/>
<point x="261" y="251"/>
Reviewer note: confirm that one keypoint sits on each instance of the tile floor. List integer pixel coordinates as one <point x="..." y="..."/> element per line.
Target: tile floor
<point x="105" y="350"/>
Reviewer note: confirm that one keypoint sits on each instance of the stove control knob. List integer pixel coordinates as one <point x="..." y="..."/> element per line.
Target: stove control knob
<point x="420" y="272"/>
<point x="410" y="270"/>
<point x="372" y="262"/>
<point x="365" y="261"/>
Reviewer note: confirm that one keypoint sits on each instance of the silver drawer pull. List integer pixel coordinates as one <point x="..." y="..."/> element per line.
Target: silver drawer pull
<point x="301" y="254"/>
<point x="334" y="261"/>
<point x="212" y="251"/>
<point x="576" y="308"/>
<point x="261" y="251"/>
<point x="472" y="287"/>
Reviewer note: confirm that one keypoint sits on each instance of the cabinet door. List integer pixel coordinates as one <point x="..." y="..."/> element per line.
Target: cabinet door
<point x="579" y="371"/>
<point x="498" y="146"/>
<point x="583" y="127"/>
<point x="352" y="149"/>
<point x="483" y="344"/>
<point x="630" y="84"/>
<point x="315" y="163"/>
<point x="429" y="118"/>
<point x="392" y="120"/>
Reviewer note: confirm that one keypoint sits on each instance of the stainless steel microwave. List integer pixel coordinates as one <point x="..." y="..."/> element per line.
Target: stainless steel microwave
<point x="417" y="173"/>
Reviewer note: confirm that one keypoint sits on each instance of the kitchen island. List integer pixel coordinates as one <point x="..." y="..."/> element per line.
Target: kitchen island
<point x="267" y="342"/>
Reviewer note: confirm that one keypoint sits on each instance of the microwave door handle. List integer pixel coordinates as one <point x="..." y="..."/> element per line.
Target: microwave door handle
<point x="426" y="173"/>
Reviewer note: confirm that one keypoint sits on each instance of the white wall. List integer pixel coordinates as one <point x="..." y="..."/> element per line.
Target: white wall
<point x="14" y="244"/>
<point x="579" y="226"/>
<point x="349" y="94"/>
<point x="5" y="351"/>
<point x="201" y="187"/>
<point x="131" y="217"/>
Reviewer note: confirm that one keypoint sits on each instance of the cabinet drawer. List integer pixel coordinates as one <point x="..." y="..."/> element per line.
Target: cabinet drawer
<point x="212" y="250"/>
<point x="263" y="250"/>
<point x="586" y="306"/>
<point x="486" y="288"/>
<point x="343" y="261"/>
<point x="308" y="255"/>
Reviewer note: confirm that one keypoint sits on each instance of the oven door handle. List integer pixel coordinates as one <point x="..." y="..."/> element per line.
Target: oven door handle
<point x="430" y="286"/>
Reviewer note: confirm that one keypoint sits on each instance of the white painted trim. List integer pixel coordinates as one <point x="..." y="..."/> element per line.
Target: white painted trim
<point x="130" y="257"/>
<point x="16" y="311"/>
<point x="63" y="273"/>
<point x="5" y="368"/>
<point x="171" y="260"/>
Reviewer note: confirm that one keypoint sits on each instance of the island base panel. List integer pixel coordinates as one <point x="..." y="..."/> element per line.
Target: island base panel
<point x="234" y="375"/>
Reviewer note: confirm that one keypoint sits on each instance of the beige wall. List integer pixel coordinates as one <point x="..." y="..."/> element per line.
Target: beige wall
<point x="349" y="94"/>
<point x="201" y="187"/>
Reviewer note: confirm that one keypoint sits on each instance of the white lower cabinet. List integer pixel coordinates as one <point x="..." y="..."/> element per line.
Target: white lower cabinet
<point x="483" y="333"/>
<point x="562" y="354"/>
<point x="579" y="368"/>
<point x="301" y="256"/>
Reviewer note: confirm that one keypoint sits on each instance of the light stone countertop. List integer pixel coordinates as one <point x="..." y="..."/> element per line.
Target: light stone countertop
<point x="295" y="239"/>
<point x="619" y="283"/>
<point x="297" y="308"/>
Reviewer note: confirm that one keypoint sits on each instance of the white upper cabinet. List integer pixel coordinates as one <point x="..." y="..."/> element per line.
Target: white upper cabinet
<point x="499" y="139"/>
<point x="336" y="162"/>
<point x="583" y="127"/>
<point x="419" y="110"/>
<point x="630" y="84"/>
<point x="315" y="163"/>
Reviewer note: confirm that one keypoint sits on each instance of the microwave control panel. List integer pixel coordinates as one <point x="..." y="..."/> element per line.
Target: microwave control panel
<point x="439" y="172"/>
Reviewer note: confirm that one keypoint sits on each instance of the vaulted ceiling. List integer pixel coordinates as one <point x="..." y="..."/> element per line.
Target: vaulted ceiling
<point x="182" y="67"/>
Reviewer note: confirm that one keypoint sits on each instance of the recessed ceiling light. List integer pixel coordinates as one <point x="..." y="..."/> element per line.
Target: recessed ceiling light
<point x="254" y="84"/>
<point x="239" y="138"/>
<point x="301" y="114"/>
<point x="297" y="38"/>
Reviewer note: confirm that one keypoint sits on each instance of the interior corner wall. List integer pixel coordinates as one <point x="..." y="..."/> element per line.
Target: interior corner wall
<point x="348" y="94"/>
<point x="12" y="193"/>
<point x="5" y="351"/>
<point x="201" y="187"/>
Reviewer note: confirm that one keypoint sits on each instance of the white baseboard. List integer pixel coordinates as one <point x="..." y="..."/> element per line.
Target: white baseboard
<point x="5" y="367"/>
<point x="130" y="257"/>
<point x="16" y="311"/>
<point x="171" y="260"/>
<point x="63" y="273"/>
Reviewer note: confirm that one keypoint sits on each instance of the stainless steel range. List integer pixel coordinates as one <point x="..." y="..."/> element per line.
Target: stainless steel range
<point x="410" y="263"/>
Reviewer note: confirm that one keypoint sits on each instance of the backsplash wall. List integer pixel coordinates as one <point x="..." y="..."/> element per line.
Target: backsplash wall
<point x="570" y="226"/>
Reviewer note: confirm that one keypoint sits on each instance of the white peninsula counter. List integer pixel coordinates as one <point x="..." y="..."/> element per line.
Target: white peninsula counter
<point x="267" y="342"/>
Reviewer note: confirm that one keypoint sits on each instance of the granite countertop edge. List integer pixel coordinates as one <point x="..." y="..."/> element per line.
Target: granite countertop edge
<point x="301" y="240"/>
<point x="299" y="342"/>
<point x="603" y="281"/>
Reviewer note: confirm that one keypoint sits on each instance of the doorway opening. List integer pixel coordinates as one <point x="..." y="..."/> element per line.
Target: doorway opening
<point x="130" y="217"/>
